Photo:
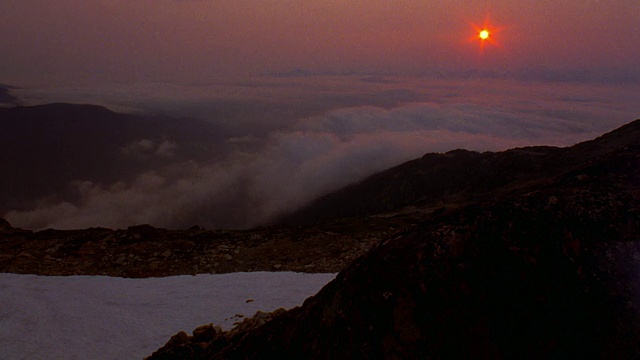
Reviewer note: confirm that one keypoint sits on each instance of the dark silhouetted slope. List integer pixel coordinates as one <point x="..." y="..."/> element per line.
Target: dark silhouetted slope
<point x="459" y="177"/>
<point x="545" y="270"/>
<point x="46" y="147"/>
<point x="6" y="97"/>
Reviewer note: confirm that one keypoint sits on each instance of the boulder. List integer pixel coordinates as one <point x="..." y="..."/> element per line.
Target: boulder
<point x="205" y="333"/>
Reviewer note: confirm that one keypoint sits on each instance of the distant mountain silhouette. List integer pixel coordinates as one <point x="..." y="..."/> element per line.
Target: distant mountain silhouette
<point x="46" y="147"/>
<point x="6" y="97"/>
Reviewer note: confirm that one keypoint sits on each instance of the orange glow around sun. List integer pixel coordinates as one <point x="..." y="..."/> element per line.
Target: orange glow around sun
<point x="485" y="34"/>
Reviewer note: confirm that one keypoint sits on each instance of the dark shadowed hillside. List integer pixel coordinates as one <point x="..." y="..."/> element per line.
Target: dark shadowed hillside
<point x="544" y="268"/>
<point x="46" y="147"/>
<point x="459" y="177"/>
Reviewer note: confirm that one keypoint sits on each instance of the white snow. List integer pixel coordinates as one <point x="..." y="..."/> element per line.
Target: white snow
<point x="97" y="317"/>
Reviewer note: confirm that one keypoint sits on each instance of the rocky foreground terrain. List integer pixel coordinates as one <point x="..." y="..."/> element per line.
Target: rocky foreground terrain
<point x="545" y="268"/>
<point x="145" y="251"/>
<point x="528" y="253"/>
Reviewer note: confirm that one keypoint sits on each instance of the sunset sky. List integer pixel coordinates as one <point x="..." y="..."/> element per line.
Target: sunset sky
<point x="72" y="42"/>
<point x="308" y="95"/>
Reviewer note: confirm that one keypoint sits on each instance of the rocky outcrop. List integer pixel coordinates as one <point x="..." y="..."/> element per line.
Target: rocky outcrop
<point x="550" y="274"/>
<point x="549" y="271"/>
<point x="210" y="339"/>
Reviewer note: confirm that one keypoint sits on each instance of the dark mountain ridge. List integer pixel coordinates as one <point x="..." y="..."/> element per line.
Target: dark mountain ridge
<point x="459" y="177"/>
<point x="6" y="97"/>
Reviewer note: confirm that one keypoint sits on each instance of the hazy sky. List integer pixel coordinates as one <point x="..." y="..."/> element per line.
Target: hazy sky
<point x="272" y="75"/>
<point x="71" y="42"/>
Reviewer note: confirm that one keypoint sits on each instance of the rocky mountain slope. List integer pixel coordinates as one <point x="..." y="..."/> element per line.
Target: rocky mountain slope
<point x="543" y="268"/>
<point x="459" y="176"/>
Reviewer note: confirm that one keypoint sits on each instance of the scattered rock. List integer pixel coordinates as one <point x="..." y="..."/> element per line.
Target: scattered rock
<point x="178" y="339"/>
<point x="100" y="251"/>
<point x="120" y="260"/>
<point x="209" y="339"/>
<point x="204" y="333"/>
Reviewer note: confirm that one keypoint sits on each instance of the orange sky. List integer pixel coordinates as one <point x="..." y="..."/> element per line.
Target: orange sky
<point x="67" y="42"/>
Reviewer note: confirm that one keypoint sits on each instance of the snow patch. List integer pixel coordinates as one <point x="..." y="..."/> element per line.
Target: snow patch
<point x="97" y="317"/>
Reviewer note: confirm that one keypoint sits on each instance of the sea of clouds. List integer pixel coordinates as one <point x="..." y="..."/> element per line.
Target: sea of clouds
<point x="293" y="140"/>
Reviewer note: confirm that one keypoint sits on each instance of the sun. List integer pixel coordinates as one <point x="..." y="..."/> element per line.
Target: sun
<point x="485" y="34"/>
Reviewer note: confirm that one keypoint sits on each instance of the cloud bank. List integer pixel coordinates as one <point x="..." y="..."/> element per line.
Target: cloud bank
<point x="320" y="155"/>
<point x="303" y="159"/>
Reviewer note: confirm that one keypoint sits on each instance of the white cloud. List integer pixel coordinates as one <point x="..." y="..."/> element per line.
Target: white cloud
<point x="166" y="148"/>
<point x="144" y="148"/>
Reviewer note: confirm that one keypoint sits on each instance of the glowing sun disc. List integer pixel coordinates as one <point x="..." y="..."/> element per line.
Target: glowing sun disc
<point x="483" y="34"/>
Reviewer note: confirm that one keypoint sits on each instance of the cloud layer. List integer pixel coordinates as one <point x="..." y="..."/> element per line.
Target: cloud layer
<point x="291" y="165"/>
